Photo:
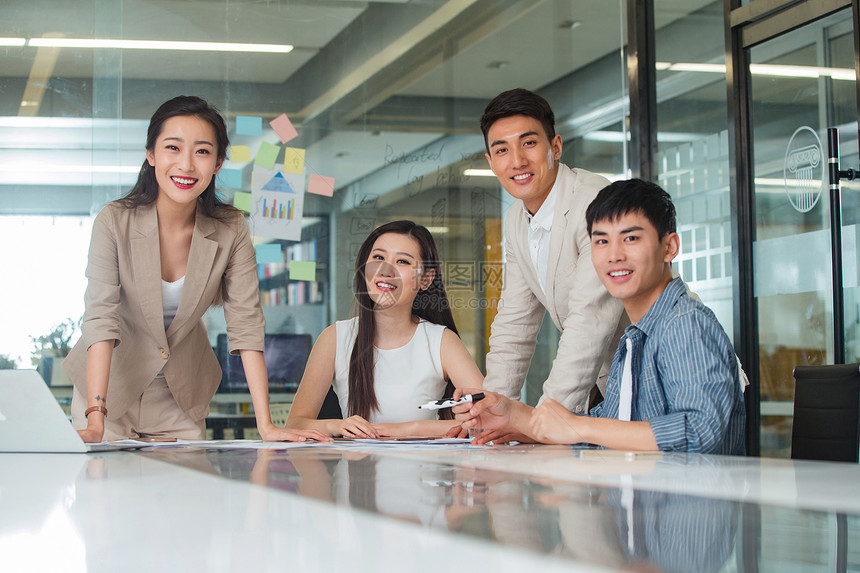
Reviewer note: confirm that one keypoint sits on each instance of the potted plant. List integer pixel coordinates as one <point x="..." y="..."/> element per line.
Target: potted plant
<point x="51" y="348"/>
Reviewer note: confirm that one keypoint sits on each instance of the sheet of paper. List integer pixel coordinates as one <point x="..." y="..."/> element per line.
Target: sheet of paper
<point x="303" y="271"/>
<point x="284" y="128"/>
<point x="277" y="203"/>
<point x="249" y="125"/>
<point x="269" y="253"/>
<point x="267" y="155"/>
<point x="321" y="185"/>
<point x="294" y="160"/>
<point x="228" y="177"/>
<point x="240" y="153"/>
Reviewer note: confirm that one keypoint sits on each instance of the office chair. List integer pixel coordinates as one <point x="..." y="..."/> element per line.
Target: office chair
<point x="330" y="409"/>
<point x="826" y="413"/>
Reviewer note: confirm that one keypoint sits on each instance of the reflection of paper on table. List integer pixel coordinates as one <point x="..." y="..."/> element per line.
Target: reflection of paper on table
<point x="248" y="444"/>
<point x="148" y="444"/>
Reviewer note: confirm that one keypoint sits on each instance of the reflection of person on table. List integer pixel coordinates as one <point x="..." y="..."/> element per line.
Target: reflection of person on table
<point x="673" y="384"/>
<point x="398" y="353"/>
<point x="159" y="258"/>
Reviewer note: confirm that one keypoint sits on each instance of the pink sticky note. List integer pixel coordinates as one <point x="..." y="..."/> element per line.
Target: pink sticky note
<point x="321" y="185"/>
<point x="284" y="128"/>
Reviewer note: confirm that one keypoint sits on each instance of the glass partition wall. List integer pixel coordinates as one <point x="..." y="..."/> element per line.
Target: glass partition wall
<point x="384" y="97"/>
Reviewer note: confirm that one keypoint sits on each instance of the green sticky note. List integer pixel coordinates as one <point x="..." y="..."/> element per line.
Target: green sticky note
<point x="267" y="155"/>
<point x="303" y="271"/>
<point x="242" y="200"/>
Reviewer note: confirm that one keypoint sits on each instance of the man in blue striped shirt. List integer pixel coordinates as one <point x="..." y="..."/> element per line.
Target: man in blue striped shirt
<point x="673" y="384"/>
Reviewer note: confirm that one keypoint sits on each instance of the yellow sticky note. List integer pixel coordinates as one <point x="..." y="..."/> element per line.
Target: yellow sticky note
<point x="294" y="160"/>
<point x="240" y="153"/>
<point x="303" y="271"/>
<point x="242" y="201"/>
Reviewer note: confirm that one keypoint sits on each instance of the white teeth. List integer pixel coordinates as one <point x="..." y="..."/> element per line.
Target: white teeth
<point x="521" y="177"/>
<point x="385" y="285"/>
<point x="619" y="273"/>
<point x="184" y="181"/>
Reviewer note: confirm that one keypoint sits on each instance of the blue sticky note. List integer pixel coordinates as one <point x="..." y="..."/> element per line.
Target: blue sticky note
<point x="249" y="125"/>
<point x="269" y="253"/>
<point x="231" y="178"/>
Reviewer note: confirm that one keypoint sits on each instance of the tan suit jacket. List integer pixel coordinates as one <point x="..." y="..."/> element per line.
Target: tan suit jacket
<point x="590" y="320"/>
<point x="123" y="303"/>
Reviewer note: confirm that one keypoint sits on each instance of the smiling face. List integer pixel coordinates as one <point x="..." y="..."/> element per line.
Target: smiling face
<point x="523" y="158"/>
<point x="185" y="158"/>
<point x="632" y="261"/>
<point x="394" y="271"/>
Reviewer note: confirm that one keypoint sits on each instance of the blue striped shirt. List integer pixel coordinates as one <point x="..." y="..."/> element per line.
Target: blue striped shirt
<point x="685" y="377"/>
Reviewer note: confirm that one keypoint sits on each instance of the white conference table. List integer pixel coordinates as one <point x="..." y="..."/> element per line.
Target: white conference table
<point x="517" y="508"/>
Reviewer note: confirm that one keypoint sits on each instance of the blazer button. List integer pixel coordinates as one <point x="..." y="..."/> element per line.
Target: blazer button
<point x="578" y="409"/>
<point x="164" y="354"/>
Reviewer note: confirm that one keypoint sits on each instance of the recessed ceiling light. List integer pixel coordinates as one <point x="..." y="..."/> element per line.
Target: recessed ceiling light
<point x="159" y="45"/>
<point x="570" y="24"/>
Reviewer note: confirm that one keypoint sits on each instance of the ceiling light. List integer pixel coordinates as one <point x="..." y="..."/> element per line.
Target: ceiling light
<point x="479" y="173"/>
<point x="13" y="41"/>
<point x="778" y="70"/>
<point x="570" y="24"/>
<point x="160" y="45"/>
<point x="498" y="65"/>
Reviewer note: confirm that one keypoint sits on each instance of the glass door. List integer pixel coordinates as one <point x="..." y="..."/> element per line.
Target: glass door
<point x="801" y="83"/>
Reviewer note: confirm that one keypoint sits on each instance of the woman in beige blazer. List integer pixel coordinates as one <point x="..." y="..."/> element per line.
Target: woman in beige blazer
<point x="158" y="259"/>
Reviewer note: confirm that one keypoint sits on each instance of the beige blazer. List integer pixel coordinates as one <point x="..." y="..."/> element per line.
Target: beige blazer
<point x="590" y="320"/>
<point x="123" y="303"/>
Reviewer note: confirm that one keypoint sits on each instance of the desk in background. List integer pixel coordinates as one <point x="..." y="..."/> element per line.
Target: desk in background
<point x="524" y="508"/>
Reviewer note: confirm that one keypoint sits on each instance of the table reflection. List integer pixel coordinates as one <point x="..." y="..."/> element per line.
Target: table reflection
<point x="610" y="526"/>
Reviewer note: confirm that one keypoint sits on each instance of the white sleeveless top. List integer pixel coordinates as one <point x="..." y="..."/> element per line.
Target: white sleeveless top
<point x="404" y="377"/>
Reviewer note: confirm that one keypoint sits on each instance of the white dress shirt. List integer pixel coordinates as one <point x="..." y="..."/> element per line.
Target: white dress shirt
<point x="540" y="225"/>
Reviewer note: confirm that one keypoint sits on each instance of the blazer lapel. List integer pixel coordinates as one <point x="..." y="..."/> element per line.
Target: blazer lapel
<point x="146" y="254"/>
<point x="556" y="240"/>
<point x="200" y="260"/>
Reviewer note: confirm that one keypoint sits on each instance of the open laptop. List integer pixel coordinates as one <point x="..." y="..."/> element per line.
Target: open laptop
<point x="32" y="421"/>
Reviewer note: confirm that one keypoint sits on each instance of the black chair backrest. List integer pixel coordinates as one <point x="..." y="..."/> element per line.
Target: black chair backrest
<point x="330" y="409"/>
<point x="826" y="413"/>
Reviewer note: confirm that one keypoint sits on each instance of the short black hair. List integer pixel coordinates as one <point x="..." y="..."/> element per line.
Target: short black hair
<point x="633" y="196"/>
<point x="518" y="101"/>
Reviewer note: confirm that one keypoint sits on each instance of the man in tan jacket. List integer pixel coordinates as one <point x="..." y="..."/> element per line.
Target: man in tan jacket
<point x="548" y="258"/>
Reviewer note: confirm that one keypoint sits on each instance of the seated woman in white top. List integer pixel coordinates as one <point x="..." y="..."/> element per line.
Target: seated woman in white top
<point x="401" y="351"/>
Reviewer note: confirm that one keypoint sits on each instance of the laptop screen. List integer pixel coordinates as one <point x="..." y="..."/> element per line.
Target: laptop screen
<point x="286" y="357"/>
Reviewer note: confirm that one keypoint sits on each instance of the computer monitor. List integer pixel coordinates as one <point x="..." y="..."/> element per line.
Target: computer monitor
<point x="286" y="357"/>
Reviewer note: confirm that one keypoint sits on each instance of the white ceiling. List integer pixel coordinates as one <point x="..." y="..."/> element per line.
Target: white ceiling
<point x="349" y="57"/>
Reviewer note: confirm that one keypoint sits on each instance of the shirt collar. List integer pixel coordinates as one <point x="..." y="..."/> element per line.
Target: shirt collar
<point x="544" y="215"/>
<point x="674" y="290"/>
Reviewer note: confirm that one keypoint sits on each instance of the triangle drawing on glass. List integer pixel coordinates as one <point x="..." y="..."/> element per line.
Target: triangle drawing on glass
<point x="278" y="183"/>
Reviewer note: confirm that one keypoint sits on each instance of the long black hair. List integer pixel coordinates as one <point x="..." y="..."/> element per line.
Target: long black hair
<point x="145" y="191"/>
<point x="430" y="304"/>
